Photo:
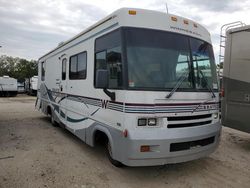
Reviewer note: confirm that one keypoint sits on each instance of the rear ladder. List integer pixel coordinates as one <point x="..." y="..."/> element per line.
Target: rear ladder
<point x="223" y="37"/>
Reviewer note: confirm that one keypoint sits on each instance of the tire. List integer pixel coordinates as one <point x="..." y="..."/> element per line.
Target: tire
<point x="109" y="154"/>
<point x="52" y="119"/>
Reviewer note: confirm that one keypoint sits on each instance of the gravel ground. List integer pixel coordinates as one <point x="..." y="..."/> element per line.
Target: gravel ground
<point x="35" y="154"/>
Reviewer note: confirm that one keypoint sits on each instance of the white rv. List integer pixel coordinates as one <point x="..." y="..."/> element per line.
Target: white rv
<point x="8" y="86"/>
<point x="31" y="85"/>
<point x="236" y="79"/>
<point x="143" y="82"/>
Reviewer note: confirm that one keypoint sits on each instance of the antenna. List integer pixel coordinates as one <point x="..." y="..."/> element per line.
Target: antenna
<point x="167" y="7"/>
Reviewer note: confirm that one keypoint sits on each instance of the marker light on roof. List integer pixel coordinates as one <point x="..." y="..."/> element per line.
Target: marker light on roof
<point x="132" y="12"/>
<point x="174" y="19"/>
<point x="185" y="22"/>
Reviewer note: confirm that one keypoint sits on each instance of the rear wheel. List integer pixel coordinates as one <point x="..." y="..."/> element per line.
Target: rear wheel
<point x="109" y="154"/>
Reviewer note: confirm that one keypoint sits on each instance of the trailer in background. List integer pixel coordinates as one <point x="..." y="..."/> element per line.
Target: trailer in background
<point x="8" y="86"/>
<point x="31" y="85"/>
<point x="20" y="87"/>
<point x="236" y="79"/>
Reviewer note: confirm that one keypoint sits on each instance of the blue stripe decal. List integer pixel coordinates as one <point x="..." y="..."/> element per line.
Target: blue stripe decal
<point x="76" y="120"/>
<point x="62" y="114"/>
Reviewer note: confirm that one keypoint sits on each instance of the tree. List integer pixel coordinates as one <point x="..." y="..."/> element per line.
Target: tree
<point x="17" y="68"/>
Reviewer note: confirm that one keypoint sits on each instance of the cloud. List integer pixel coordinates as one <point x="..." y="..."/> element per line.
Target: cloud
<point x="216" y="5"/>
<point x="30" y="28"/>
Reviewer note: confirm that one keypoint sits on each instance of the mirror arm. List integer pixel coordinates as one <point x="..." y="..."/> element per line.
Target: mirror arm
<point x="110" y="94"/>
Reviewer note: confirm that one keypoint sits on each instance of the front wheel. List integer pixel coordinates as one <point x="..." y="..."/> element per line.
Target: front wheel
<point x="52" y="119"/>
<point x="109" y="154"/>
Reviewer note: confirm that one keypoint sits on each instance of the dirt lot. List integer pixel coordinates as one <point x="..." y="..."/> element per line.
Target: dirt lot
<point x="35" y="154"/>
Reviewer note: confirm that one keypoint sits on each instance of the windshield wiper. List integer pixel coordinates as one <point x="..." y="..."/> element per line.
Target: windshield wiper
<point x="210" y="89"/>
<point x="178" y="84"/>
<point x="207" y="85"/>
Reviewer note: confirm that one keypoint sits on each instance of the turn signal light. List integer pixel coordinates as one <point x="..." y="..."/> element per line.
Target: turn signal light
<point x="145" y="148"/>
<point x="125" y="133"/>
<point x="222" y="92"/>
<point x="185" y="22"/>
<point x="174" y="19"/>
<point x="132" y="12"/>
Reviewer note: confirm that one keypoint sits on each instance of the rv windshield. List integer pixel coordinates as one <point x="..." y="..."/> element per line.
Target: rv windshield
<point x="157" y="60"/>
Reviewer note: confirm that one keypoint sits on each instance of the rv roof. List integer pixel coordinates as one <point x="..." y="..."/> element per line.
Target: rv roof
<point x="146" y="19"/>
<point x="239" y="29"/>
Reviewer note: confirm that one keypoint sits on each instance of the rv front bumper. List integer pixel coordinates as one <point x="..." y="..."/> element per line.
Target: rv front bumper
<point x="169" y="145"/>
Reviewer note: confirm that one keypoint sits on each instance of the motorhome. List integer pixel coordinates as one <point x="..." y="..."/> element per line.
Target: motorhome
<point x="8" y="86"/>
<point x="236" y="79"/>
<point x="142" y="82"/>
<point x="31" y="85"/>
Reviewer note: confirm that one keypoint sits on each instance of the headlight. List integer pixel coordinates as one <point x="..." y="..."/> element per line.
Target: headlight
<point x="152" y="121"/>
<point x="216" y="115"/>
<point x="142" y="122"/>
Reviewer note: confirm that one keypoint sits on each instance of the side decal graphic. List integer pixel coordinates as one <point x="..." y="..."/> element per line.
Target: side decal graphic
<point x="138" y="107"/>
<point x="56" y="107"/>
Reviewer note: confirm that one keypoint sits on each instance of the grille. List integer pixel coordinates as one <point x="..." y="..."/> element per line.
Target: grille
<point x="189" y="121"/>
<point x="192" y="144"/>
<point x="189" y="124"/>
<point x="178" y="118"/>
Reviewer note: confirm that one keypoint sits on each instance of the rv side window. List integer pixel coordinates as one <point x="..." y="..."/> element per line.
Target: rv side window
<point x="78" y="66"/>
<point x="43" y="71"/>
<point x="64" y="68"/>
<point x="108" y="56"/>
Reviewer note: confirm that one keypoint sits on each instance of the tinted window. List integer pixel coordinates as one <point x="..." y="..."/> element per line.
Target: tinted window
<point x="64" y="68"/>
<point x="204" y="64"/>
<point x="156" y="59"/>
<point x="114" y="65"/>
<point x="108" y="41"/>
<point x="108" y="56"/>
<point x="101" y="60"/>
<point x="43" y="71"/>
<point x="81" y="65"/>
<point x="159" y="60"/>
<point x="78" y="66"/>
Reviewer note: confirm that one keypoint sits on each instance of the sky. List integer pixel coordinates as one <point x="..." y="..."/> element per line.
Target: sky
<point x="30" y="28"/>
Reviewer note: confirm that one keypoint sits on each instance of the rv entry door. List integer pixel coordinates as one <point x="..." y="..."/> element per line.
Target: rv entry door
<point x="63" y="89"/>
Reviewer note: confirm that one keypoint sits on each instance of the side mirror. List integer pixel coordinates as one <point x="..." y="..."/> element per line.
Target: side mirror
<point x="102" y="80"/>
